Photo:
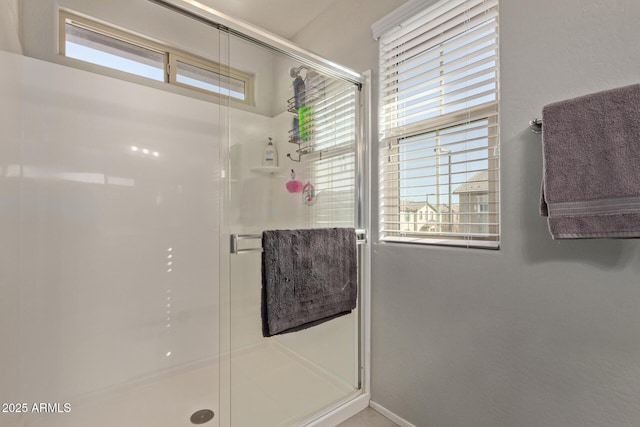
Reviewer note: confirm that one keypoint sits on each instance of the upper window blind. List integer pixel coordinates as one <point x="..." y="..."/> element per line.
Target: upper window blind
<point x="327" y="150"/>
<point x="439" y="152"/>
<point x="334" y="164"/>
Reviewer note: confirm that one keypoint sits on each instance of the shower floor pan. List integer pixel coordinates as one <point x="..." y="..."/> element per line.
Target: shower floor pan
<point x="270" y="387"/>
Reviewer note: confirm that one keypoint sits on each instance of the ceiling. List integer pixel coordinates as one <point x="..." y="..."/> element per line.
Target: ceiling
<point x="282" y="17"/>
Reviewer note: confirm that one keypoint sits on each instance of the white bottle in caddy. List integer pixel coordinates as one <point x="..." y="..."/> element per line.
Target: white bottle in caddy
<point x="270" y="155"/>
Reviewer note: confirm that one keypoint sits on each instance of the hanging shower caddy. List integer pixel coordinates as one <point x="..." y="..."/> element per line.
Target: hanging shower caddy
<point x="301" y="104"/>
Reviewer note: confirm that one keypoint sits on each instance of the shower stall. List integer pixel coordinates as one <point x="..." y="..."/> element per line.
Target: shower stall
<point x="132" y="216"/>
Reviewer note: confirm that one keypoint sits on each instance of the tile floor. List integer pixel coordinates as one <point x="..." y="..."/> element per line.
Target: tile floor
<point x="368" y="418"/>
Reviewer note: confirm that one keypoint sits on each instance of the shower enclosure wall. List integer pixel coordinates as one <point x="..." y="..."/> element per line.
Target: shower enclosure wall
<point x="122" y="302"/>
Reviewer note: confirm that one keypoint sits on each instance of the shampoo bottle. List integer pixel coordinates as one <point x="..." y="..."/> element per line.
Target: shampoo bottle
<point x="270" y="155"/>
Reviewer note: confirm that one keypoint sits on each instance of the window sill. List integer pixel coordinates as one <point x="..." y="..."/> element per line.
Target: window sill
<point x="473" y="244"/>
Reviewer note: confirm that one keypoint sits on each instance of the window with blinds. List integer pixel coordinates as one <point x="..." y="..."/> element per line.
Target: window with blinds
<point x="439" y="152"/>
<point x="329" y="154"/>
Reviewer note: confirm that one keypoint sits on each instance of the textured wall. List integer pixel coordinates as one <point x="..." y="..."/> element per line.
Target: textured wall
<point x="542" y="332"/>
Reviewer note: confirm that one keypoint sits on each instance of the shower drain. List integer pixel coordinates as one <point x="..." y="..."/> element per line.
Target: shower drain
<point x="202" y="416"/>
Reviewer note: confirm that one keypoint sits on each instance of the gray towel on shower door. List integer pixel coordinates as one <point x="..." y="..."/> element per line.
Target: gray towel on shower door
<point x="591" y="153"/>
<point x="308" y="277"/>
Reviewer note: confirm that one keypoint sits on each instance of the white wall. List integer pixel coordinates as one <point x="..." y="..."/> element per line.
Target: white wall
<point x="87" y="232"/>
<point x="10" y="26"/>
<point x="11" y="125"/>
<point x="541" y="333"/>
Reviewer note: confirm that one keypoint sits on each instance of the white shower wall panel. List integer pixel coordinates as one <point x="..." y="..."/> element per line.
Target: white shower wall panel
<point x="120" y="237"/>
<point x="10" y="123"/>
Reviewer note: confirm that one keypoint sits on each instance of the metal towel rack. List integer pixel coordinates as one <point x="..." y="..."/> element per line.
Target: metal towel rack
<point x="535" y="125"/>
<point x="361" y="236"/>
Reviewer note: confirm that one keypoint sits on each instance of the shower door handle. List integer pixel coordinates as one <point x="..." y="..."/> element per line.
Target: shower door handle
<point x="234" y="248"/>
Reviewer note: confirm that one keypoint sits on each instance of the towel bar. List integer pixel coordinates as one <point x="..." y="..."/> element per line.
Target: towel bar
<point x="361" y="236"/>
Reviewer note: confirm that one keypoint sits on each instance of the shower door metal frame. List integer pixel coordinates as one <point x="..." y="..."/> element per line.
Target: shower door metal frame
<point x="257" y="35"/>
<point x="359" y="400"/>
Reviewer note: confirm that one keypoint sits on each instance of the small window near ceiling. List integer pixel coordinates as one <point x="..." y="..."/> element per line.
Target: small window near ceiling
<point x="96" y="48"/>
<point x="210" y="79"/>
<point x="99" y="44"/>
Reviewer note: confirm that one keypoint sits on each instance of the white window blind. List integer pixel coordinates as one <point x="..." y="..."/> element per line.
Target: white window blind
<point x="439" y="153"/>
<point x="329" y="154"/>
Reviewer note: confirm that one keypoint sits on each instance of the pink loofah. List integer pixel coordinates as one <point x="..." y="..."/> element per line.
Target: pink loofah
<point x="294" y="186"/>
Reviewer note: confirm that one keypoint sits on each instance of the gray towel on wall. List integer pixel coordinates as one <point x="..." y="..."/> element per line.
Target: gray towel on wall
<point x="591" y="153"/>
<point x="308" y="277"/>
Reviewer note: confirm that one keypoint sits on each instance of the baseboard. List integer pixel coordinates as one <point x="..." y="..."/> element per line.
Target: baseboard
<point x="393" y="417"/>
<point x="341" y="412"/>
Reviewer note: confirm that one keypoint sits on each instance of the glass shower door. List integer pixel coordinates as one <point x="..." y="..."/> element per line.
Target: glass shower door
<point x="284" y="379"/>
<point x="119" y="252"/>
